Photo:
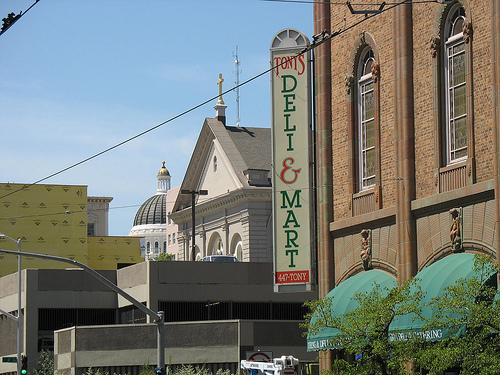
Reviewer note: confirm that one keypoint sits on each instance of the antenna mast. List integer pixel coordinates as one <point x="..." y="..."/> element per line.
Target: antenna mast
<point x="237" y="83"/>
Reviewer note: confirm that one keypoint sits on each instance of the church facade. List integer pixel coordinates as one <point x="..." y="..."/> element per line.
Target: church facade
<point x="228" y="179"/>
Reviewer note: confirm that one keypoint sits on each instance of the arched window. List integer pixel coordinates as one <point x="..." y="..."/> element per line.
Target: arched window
<point x="366" y="121"/>
<point x="455" y="69"/>
<point x="215" y="245"/>
<point x="157" y="245"/>
<point x="215" y="163"/>
<point x="363" y="84"/>
<point x="237" y="247"/>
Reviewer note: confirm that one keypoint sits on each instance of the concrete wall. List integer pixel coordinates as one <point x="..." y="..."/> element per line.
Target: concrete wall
<point x="220" y="344"/>
<point x="149" y="282"/>
<point x="203" y="281"/>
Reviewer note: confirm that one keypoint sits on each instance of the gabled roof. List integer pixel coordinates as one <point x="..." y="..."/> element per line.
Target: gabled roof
<point x="254" y="145"/>
<point x="246" y="149"/>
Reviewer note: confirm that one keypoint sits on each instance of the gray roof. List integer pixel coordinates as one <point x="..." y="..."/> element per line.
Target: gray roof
<point x="254" y="145"/>
<point x="153" y="211"/>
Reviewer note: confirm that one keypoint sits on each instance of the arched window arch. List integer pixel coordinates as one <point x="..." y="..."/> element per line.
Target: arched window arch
<point x="451" y="49"/>
<point x="197" y="253"/>
<point x="456" y="129"/>
<point x="366" y="120"/>
<point x="215" y="245"/>
<point x="363" y="99"/>
<point x="237" y="246"/>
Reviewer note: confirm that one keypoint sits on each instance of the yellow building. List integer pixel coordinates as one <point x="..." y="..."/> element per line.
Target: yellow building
<point x="52" y="219"/>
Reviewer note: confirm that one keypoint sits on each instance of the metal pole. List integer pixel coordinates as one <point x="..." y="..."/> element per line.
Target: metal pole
<point x="158" y="317"/>
<point x="19" y="301"/>
<point x="193" y="211"/>
<point x="160" y="355"/>
<point x="193" y="219"/>
<point x="18" y="318"/>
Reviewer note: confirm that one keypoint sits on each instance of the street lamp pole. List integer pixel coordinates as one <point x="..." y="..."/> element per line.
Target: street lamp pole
<point x="158" y="318"/>
<point x="18" y="242"/>
<point x="193" y="193"/>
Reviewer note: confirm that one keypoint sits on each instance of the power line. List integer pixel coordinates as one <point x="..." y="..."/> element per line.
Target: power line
<point x="317" y="40"/>
<point x="354" y="4"/>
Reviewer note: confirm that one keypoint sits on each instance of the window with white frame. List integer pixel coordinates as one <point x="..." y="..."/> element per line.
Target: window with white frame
<point x="455" y="84"/>
<point x="366" y="121"/>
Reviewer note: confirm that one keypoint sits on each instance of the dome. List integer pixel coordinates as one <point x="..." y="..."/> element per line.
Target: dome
<point x="153" y="211"/>
<point x="163" y="171"/>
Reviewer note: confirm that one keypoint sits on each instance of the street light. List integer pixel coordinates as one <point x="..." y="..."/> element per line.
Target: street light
<point x="18" y="300"/>
<point x="158" y="317"/>
<point x="193" y="193"/>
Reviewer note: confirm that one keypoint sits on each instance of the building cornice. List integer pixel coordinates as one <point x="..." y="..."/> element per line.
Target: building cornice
<point x="222" y="202"/>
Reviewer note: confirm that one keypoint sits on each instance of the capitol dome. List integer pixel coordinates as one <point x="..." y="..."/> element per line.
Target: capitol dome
<point x="153" y="211"/>
<point x="150" y="221"/>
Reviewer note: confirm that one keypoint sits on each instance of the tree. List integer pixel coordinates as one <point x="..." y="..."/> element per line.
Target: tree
<point x="471" y="307"/>
<point x="45" y="363"/>
<point x="363" y="333"/>
<point x="164" y="257"/>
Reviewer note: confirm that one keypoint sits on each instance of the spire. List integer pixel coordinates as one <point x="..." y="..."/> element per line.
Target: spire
<point x="220" y="107"/>
<point x="163" y="180"/>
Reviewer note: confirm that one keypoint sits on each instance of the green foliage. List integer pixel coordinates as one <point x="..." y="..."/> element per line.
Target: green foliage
<point x="146" y="369"/>
<point x="475" y="304"/>
<point x="44" y="364"/>
<point x="365" y="329"/>
<point x="469" y="307"/>
<point x="190" y="370"/>
<point x="164" y="257"/>
<point x="91" y="371"/>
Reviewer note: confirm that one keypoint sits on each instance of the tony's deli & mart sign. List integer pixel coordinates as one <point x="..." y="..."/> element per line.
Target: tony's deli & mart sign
<point x="291" y="132"/>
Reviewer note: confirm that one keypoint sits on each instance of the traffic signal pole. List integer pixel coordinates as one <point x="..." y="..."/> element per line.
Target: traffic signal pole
<point x="157" y="318"/>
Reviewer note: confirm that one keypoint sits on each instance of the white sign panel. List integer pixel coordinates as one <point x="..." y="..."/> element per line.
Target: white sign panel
<point x="291" y="131"/>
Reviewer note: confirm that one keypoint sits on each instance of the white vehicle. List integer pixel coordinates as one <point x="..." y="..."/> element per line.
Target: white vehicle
<point x="284" y="365"/>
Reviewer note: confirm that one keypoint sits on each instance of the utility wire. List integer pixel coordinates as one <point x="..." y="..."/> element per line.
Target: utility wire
<point x="355" y="4"/>
<point x="317" y="40"/>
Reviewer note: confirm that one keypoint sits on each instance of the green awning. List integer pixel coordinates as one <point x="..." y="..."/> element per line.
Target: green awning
<point x="433" y="280"/>
<point x="343" y="302"/>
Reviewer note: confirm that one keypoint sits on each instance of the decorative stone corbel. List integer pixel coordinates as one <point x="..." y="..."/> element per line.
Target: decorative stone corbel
<point x="467" y="31"/>
<point x="366" y="249"/>
<point x="349" y="82"/>
<point x="434" y="43"/>
<point x="375" y="72"/>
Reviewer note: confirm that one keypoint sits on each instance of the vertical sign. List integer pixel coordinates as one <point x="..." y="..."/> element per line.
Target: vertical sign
<point x="291" y="132"/>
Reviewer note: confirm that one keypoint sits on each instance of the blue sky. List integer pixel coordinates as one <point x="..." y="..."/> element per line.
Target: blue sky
<point x="80" y="76"/>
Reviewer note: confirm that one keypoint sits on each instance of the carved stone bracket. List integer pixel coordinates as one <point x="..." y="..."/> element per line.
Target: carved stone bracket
<point x="349" y="82"/>
<point x="456" y="230"/>
<point x="434" y="44"/>
<point x="467" y="31"/>
<point x="366" y="249"/>
<point x="375" y="72"/>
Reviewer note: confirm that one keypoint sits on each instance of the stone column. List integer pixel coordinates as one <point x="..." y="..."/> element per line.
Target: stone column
<point x="495" y="66"/>
<point x="324" y="195"/>
<point x="405" y="141"/>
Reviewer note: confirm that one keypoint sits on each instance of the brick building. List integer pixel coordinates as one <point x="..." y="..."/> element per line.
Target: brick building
<point x="407" y="108"/>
